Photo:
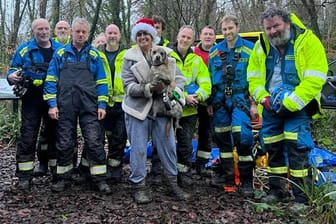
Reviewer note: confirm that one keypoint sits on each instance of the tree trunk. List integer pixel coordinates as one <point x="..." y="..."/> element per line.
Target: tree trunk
<point x="95" y="20"/>
<point x="310" y="6"/>
<point x="55" y="12"/>
<point x="43" y="8"/>
<point x="18" y="13"/>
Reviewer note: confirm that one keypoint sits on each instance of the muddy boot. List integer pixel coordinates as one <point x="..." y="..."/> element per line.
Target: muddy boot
<point x="175" y="190"/>
<point x="60" y="185"/>
<point x="217" y="181"/>
<point x="81" y="175"/>
<point x="104" y="188"/>
<point x="246" y="189"/>
<point x="202" y="170"/>
<point x="300" y="196"/>
<point x="141" y="194"/>
<point x="278" y="192"/>
<point x="24" y="184"/>
<point x="114" y="174"/>
<point x="185" y="179"/>
<point x="40" y="170"/>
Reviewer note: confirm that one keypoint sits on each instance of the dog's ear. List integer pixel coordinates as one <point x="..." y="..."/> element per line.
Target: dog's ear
<point x="165" y="58"/>
<point x="151" y="54"/>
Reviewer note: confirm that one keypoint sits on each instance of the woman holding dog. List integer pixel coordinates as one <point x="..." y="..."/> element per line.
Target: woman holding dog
<point x="137" y="106"/>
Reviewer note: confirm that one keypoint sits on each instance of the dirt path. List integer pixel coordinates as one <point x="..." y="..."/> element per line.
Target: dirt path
<point x="81" y="204"/>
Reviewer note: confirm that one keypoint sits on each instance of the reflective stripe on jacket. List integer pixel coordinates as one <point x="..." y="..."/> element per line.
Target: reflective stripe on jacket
<point x="310" y="62"/>
<point x="195" y="71"/>
<point x="27" y="54"/>
<point x="95" y="66"/>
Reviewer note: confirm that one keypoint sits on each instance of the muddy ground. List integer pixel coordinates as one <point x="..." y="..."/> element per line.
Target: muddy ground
<point x="81" y="204"/>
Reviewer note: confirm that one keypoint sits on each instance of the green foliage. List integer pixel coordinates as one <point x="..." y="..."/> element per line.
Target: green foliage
<point x="9" y="126"/>
<point x="324" y="130"/>
<point x="323" y="201"/>
<point x="262" y="207"/>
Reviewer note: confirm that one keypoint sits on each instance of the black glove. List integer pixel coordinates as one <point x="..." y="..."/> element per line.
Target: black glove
<point x="19" y="90"/>
<point x="282" y="111"/>
<point x="157" y="87"/>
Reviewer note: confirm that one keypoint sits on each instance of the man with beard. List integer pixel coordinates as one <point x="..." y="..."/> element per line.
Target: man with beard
<point x="286" y="72"/>
<point x="62" y="32"/>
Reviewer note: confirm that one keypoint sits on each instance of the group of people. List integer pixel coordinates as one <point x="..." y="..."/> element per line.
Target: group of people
<point x="108" y="89"/>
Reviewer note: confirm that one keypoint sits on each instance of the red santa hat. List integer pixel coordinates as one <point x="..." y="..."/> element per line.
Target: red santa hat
<point x="145" y="24"/>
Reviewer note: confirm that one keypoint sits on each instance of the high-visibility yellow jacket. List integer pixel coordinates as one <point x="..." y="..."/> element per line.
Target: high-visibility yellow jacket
<point x="310" y="63"/>
<point x="195" y="71"/>
<point x="117" y="94"/>
<point x="107" y="70"/>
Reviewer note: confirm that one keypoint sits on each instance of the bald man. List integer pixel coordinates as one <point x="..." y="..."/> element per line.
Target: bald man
<point x="31" y="59"/>
<point x="62" y="32"/>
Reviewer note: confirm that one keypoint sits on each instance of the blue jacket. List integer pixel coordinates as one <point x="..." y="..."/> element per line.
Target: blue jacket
<point x="95" y="66"/>
<point x="26" y="56"/>
<point x="219" y="82"/>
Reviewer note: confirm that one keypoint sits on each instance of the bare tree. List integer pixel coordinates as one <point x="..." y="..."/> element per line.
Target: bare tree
<point x="309" y="5"/>
<point x="95" y="20"/>
<point x="18" y="14"/>
<point x="55" y="12"/>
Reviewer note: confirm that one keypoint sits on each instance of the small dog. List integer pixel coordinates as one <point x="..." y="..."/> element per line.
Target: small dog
<point x="161" y="71"/>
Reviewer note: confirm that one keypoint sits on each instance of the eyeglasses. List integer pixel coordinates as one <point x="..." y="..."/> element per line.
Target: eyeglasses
<point x="140" y="33"/>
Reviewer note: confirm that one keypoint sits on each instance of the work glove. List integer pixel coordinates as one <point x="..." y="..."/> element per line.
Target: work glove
<point x="266" y="102"/>
<point x="157" y="87"/>
<point x="282" y="111"/>
<point x="19" y="90"/>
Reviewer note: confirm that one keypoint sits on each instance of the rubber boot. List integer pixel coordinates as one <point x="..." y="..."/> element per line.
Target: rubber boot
<point x="60" y="185"/>
<point x="104" y="188"/>
<point x="299" y="195"/>
<point x="114" y="174"/>
<point x="279" y="191"/>
<point x="175" y="190"/>
<point x="247" y="188"/>
<point x="141" y="194"/>
<point x="24" y="184"/>
<point x="41" y="170"/>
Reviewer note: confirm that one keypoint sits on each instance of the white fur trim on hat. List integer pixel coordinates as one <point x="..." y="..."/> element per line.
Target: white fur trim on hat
<point x="145" y="27"/>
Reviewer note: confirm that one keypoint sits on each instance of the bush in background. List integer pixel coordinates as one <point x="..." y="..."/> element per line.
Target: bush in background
<point x="324" y="131"/>
<point x="9" y="125"/>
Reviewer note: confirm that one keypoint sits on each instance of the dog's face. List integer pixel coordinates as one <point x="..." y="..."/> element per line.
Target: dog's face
<point x="159" y="56"/>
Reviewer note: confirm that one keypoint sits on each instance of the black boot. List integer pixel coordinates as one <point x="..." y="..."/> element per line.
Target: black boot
<point x="104" y="188"/>
<point x="201" y="169"/>
<point x="185" y="179"/>
<point x="217" y="178"/>
<point x="141" y="194"/>
<point x="279" y="191"/>
<point x="114" y="174"/>
<point x="81" y="175"/>
<point x="246" y="188"/>
<point x="175" y="190"/>
<point x="41" y="170"/>
<point x="60" y="185"/>
<point x="24" y="184"/>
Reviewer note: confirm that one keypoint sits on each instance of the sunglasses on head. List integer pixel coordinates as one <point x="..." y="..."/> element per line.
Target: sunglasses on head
<point x="140" y="33"/>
